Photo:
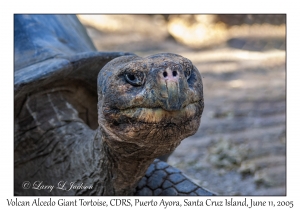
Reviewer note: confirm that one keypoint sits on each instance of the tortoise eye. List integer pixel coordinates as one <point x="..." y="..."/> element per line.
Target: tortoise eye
<point x="135" y="79"/>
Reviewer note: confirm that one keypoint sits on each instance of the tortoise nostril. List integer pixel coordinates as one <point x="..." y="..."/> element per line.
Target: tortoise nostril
<point x="174" y="73"/>
<point x="165" y="74"/>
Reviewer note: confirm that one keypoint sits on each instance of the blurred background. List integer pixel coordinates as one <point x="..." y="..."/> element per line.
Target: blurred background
<point x="240" y="147"/>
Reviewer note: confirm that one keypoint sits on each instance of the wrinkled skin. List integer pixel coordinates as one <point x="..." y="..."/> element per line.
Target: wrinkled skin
<point x="146" y="106"/>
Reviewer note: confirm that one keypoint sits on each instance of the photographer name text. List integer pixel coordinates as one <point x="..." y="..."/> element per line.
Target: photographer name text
<point x="62" y="185"/>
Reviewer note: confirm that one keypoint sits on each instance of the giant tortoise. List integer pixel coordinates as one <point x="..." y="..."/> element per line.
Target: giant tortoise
<point x="81" y="132"/>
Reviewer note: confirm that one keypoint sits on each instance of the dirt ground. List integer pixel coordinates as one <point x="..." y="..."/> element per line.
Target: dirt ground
<point x="240" y="147"/>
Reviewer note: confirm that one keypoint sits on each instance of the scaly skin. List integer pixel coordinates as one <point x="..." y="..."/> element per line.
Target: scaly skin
<point x="162" y="179"/>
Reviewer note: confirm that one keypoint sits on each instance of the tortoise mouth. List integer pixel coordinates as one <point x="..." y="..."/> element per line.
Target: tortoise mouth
<point x="153" y="115"/>
<point x="157" y="115"/>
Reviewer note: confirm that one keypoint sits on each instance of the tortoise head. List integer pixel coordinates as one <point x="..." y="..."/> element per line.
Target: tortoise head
<point x="149" y="103"/>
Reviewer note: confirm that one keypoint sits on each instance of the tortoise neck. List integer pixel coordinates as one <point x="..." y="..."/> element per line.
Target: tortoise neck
<point x="119" y="173"/>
